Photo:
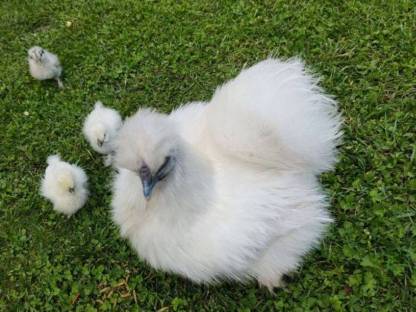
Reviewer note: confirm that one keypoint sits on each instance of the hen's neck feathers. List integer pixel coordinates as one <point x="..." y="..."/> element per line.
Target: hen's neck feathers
<point x="188" y="189"/>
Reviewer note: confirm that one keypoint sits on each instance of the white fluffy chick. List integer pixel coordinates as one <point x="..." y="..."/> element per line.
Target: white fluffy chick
<point x="100" y="128"/>
<point x="228" y="189"/>
<point x="44" y="65"/>
<point x="65" y="185"/>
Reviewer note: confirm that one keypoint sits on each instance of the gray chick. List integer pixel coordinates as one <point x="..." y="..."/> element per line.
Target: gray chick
<point x="44" y="65"/>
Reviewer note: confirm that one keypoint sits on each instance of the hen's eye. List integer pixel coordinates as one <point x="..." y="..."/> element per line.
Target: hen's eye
<point x="165" y="169"/>
<point x="167" y="159"/>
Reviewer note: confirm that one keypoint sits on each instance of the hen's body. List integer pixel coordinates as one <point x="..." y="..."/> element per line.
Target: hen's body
<point x="244" y="200"/>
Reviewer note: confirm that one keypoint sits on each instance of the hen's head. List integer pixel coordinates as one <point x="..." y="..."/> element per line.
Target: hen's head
<point x="147" y="144"/>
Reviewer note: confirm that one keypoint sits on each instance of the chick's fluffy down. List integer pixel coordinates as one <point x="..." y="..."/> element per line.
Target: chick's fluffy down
<point x="100" y="128"/>
<point x="65" y="185"/>
<point x="44" y="65"/>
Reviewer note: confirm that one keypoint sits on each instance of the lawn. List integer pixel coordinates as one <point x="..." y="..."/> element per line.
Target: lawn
<point x="165" y="53"/>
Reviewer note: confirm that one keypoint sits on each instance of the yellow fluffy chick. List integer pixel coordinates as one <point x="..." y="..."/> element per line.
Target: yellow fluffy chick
<point x="65" y="185"/>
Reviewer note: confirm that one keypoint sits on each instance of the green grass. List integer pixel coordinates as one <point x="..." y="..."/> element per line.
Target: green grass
<point x="162" y="54"/>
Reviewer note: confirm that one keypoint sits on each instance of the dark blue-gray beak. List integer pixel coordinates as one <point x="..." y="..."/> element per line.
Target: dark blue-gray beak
<point x="148" y="182"/>
<point x="148" y="186"/>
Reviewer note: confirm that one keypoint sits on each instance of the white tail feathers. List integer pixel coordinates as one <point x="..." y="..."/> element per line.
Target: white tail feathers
<point x="274" y="114"/>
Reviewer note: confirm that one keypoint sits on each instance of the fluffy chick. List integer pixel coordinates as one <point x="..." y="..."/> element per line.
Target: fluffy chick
<point x="65" y="185"/>
<point x="44" y="65"/>
<point x="100" y="128"/>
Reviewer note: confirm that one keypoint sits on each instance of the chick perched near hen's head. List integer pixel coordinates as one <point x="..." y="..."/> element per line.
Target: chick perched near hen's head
<point x="65" y="185"/>
<point x="100" y="128"/>
<point x="44" y="65"/>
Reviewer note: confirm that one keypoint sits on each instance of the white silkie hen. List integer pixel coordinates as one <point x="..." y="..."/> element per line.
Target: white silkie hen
<point x="65" y="185"/>
<point x="44" y="65"/>
<point x="100" y="128"/>
<point x="228" y="189"/>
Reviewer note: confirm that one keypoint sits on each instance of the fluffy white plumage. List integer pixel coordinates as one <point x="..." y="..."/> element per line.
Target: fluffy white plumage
<point x="65" y="185"/>
<point x="100" y="128"/>
<point x="238" y="196"/>
<point x="44" y="65"/>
